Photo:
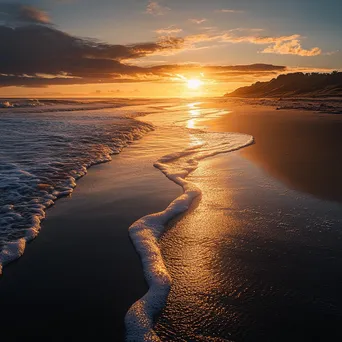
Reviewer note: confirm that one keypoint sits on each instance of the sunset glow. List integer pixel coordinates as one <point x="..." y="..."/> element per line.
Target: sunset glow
<point x="194" y="84"/>
<point x="159" y="48"/>
<point x="189" y="149"/>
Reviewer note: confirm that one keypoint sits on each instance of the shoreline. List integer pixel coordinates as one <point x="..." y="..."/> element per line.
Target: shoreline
<point x="258" y="258"/>
<point x="91" y="191"/>
<point x="132" y="219"/>
<point x="68" y="246"/>
<point x="147" y="231"/>
<point x="299" y="148"/>
<point x="13" y="250"/>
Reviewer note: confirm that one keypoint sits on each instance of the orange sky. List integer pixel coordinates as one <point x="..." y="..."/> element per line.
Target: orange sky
<point x="152" y="48"/>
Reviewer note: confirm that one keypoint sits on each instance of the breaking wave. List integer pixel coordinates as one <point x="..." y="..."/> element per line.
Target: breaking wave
<point x="41" y="158"/>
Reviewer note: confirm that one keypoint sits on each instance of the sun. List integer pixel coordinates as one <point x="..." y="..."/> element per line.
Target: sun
<point x="194" y="84"/>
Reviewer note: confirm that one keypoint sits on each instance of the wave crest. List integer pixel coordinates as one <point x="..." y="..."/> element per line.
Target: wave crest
<point x="41" y="158"/>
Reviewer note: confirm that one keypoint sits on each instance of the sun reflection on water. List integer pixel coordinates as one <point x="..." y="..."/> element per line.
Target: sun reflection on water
<point x="198" y="115"/>
<point x="192" y="255"/>
<point x="195" y="113"/>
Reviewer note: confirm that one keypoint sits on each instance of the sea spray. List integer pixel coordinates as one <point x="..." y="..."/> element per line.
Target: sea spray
<point x="146" y="232"/>
<point x="42" y="155"/>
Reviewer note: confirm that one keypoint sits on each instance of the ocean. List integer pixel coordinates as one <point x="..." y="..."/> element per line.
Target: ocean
<point x="46" y="146"/>
<point x="239" y="256"/>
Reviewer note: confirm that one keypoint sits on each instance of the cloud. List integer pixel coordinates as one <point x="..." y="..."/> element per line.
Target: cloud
<point x="162" y="74"/>
<point x="291" y="47"/>
<point x="247" y="29"/>
<point x="33" y="49"/>
<point x="155" y="8"/>
<point x="34" y="53"/>
<point x="22" y="14"/>
<point x="331" y="53"/>
<point x="169" y="30"/>
<point x="38" y="56"/>
<point x="215" y="73"/>
<point x="198" y="21"/>
<point x="227" y="10"/>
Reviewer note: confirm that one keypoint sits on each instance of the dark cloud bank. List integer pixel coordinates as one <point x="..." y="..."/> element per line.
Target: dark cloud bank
<point x="34" y="53"/>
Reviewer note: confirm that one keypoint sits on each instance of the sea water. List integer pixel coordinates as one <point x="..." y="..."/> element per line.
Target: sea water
<point x="44" y="148"/>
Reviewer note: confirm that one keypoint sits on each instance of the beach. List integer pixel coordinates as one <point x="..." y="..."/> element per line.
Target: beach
<point x="170" y="171"/>
<point x="253" y="261"/>
<point x="261" y="235"/>
<point x="62" y="275"/>
<point x="258" y="258"/>
<point x="81" y="275"/>
<point x="298" y="147"/>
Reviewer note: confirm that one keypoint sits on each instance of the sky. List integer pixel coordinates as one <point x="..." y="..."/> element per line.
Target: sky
<point x="157" y="48"/>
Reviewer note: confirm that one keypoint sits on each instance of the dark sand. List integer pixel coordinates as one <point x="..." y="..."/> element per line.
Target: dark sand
<point x="79" y="277"/>
<point x="255" y="260"/>
<point x="77" y="280"/>
<point x="302" y="149"/>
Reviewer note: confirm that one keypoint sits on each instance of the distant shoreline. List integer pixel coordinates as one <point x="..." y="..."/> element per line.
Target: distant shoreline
<point x="299" y="147"/>
<point x="295" y="84"/>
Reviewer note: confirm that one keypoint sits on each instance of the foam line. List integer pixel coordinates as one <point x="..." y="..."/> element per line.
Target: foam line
<point x="146" y="232"/>
<point x="55" y="155"/>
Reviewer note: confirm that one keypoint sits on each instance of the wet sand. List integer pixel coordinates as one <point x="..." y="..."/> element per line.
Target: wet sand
<point x="300" y="148"/>
<point x="259" y="258"/>
<point x="253" y="261"/>
<point x="77" y="280"/>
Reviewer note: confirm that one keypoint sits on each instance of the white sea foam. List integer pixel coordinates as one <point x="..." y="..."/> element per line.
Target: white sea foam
<point x="41" y="157"/>
<point x="45" y="148"/>
<point x="27" y="106"/>
<point x="146" y="232"/>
